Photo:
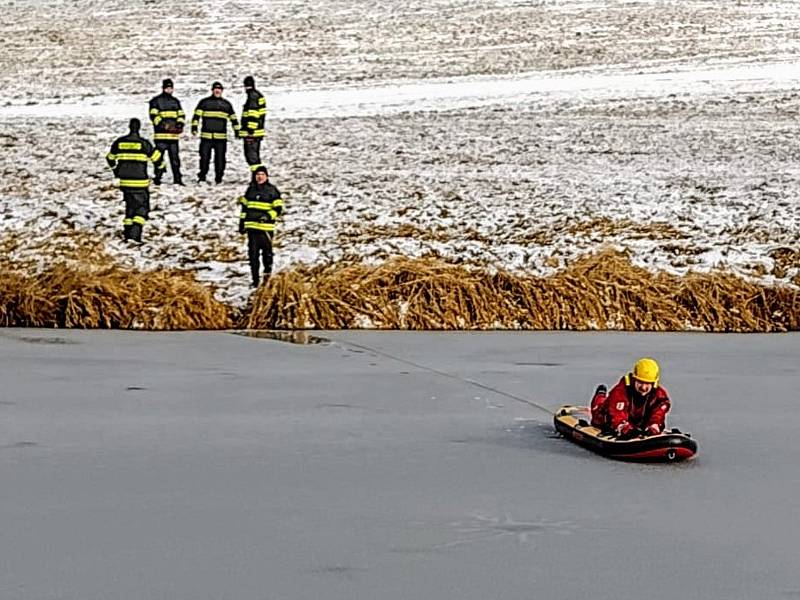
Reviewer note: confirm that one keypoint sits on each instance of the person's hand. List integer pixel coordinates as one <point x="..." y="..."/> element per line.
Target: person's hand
<point x="626" y="431"/>
<point x="652" y="430"/>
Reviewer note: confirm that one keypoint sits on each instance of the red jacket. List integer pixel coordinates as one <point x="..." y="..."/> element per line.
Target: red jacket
<point x="620" y="407"/>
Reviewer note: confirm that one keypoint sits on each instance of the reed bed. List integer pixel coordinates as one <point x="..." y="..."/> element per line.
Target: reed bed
<point x="87" y="296"/>
<point x="599" y="292"/>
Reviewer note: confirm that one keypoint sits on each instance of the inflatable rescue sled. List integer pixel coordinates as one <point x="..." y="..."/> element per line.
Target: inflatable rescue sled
<point x="573" y="422"/>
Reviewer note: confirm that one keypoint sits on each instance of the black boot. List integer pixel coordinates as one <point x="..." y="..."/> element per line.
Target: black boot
<point x="136" y="233"/>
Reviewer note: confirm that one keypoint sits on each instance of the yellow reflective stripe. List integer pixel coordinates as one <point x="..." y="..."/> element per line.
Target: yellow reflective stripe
<point x="127" y="221"/>
<point x="153" y="111"/>
<point x="251" y="124"/>
<point x="254" y="167"/>
<point x="242" y="200"/>
<point x="132" y="157"/>
<point x="259" y="226"/>
<point x="262" y="101"/>
<point x="130" y="146"/>
<point x="215" y="114"/>
<point x="254" y="113"/>
<point x="157" y="120"/>
<point x="256" y="205"/>
<point x="181" y="113"/>
<point x="111" y="156"/>
<point x="198" y="112"/>
<point x="169" y="114"/>
<point x="139" y="220"/>
<point x="166" y="136"/>
<point x="242" y="215"/>
<point x="155" y="155"/>
<point x="258" y="133"/>
<point x="277" y="202"/>
<point x="206" y="136"/>
<point x="134" y="183"/>
<point x="273" y="214"/>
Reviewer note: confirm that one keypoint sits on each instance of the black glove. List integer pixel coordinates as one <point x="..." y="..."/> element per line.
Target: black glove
<point x="241" y="225"/>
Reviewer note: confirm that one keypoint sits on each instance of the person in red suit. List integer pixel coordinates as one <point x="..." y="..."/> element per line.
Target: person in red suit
<point x="637" y="405"/>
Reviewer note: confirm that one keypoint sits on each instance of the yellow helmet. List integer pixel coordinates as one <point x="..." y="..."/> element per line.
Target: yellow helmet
<point x="646" y="369"/>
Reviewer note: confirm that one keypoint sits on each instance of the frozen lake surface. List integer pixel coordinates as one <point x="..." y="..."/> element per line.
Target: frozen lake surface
<point x="385" y="466"/>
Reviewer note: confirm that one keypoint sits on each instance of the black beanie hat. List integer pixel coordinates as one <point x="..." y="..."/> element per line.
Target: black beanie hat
<point x="216" y="85"/>
<point x="135" y="125"/>
<point x="249" y="81"/>
<point x="261" y="169"/>
<point x="166" y="83"/>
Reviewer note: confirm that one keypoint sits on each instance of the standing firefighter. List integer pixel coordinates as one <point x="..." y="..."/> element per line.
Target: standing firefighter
<point x="215" y="112"/>
<point x="261" y="207"/>
<point x="168" y="120"/>
<point x="128" y="159"/>
<point x="254" y="113"/>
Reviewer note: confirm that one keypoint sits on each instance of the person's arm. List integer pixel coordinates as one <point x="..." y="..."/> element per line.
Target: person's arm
<point x="657" y="419"/>
<point x="277" y="206"/>
<point x="155" y="156"/>
<point x="155" y="119"/>
<point x="181" y="120"/>
<point x="111" y="157"/>
<point x="198" y="114"/>
<point x="233" y="119"/>
<point x="242" y="211"/>
<point x="618" y="410"/>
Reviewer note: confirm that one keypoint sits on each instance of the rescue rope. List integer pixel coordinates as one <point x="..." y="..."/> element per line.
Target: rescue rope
<point x="472" y="382"/>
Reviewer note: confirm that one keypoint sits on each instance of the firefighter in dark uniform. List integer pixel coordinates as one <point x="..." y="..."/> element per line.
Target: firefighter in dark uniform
<point x="261" y="207"/>
<point x="253" y="115"/>
<point x="168" y="120"/>
<point x="215" y="112"/>
<point x="128" y="159"/>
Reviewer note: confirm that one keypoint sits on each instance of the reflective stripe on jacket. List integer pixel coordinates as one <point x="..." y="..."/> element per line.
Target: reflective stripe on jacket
<point x="254" y="114"/>
<point x="261" y="206"/>
<point x="128" y="158"/>
<point x="215" y="114"/>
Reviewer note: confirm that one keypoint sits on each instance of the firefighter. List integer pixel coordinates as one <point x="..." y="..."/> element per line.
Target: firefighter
<point x="637" y="405"/>
<point x="254" y="112"/>
<point x="128" y="159"/>
<point x="215" y="112"/>
<point x="261" y="206"/>
<point x="168" y="120"/>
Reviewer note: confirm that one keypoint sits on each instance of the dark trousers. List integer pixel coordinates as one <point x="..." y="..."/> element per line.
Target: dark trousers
<point x="219" y="147"/>
<point x="259" y="242"/>
<point x="252" y="152"/>
<point x="137" y="209"/>
<point x="169" y="147"/>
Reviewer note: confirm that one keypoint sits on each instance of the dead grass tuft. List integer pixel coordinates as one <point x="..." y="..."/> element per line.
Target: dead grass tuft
<point x="105" y="297"/>
<point x="602" y="291"/>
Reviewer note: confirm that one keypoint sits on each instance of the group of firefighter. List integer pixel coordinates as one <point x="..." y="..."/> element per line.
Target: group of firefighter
<point x="260" y="205"/>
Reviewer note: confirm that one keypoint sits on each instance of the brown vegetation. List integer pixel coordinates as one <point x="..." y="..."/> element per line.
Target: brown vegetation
<point x="602" y="291"/>
<point x="108" y="296"/>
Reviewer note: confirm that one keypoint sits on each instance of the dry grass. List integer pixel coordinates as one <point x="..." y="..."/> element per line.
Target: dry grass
<point x="602" y="291"/>
<point x="606" y="227"/>
<point x="108" y="296"/>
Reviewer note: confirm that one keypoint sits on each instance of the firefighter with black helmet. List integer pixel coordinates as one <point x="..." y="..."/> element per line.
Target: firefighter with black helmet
<point x="215" y="112"/>
<point x="261" y="206"/>
<point x="128" y="159"/>
<point x="254" y="114"/>
<point x="168" y="119"/>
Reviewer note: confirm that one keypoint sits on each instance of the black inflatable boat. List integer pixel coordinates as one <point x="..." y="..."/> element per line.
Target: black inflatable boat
<point x="573" y="422"/>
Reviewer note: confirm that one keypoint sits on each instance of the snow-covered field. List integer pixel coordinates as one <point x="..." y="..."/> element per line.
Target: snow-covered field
<point x="502" y="133"/>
